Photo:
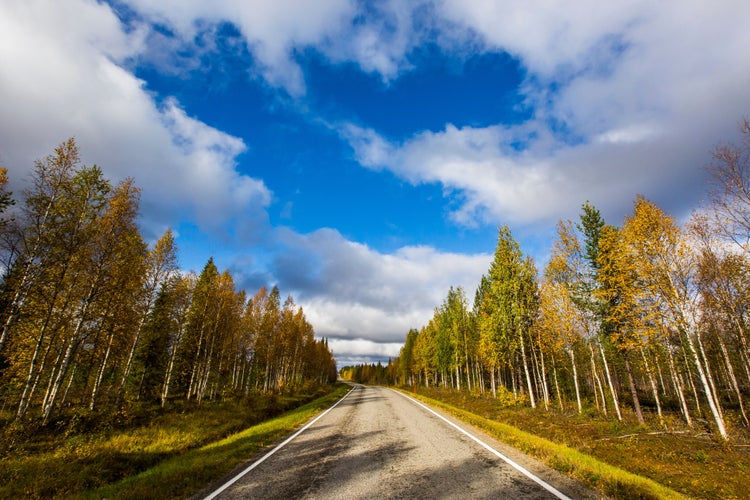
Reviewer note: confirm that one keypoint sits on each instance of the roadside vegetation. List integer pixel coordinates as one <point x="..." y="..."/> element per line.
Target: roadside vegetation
<point x="112" y="359"/>
<point x="172" y="455"/>
<point x="632" y="344"/>
<point x="621" y="459"/>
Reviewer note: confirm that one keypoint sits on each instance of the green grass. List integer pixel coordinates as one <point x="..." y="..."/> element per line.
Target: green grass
<point x="621" y="460"/>
<point x="172" y="455"/>
<point x="187" y="473"/>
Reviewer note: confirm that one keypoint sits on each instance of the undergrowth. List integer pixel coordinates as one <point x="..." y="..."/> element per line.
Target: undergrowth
<point x="82" y="452"/>
<point x="691" y="461"/>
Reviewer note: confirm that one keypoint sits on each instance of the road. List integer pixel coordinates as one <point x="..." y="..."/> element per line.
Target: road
<point x="376" y="443"/>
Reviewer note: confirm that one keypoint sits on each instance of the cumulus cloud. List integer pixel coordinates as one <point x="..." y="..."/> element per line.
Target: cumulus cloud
<point x="550" y="39"/>
<point x="272" y="30"/>
<point x="492" y="181"/>
<point x="68" y="79"/>
<point x="627" y="98"/>
<point x="377" y="36"/>
<point x="351" y="291"/>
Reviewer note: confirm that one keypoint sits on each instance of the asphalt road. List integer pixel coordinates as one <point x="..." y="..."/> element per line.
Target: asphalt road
<point x="379" y="444"/>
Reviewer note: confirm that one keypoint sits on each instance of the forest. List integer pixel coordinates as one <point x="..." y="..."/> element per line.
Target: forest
<point x="95" y="319"/>
<point x="649" y="317"/>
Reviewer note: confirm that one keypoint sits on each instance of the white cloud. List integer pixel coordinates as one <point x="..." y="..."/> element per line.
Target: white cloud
<point x="272" y="30"/>
<point x="552" y="37"/>
<point x="65" y="79"/>
<point x="349" y="290"/>
<point x="627" y="98"/>
<point x="480" y="165"/>
<point x="376" y="36"/>
<point x="380" y="42"/>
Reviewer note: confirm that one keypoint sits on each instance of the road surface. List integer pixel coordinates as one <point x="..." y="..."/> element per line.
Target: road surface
<point x="377" y="443"/>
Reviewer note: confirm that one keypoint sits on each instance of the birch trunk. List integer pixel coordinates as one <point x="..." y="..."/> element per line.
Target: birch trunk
<point x="557" y="385"/>
<point x="26" y="394"/>
<point x="129" y="362"/>
<point x="612" y="391"/>
<point x="545" y="388"/>
<point x="571" y="353"/>
<point x="597" y="379"/>
<point x="678" y="387"/>
<point x="733" y="379"/>
<point x="712" y="402"/>
<point x="70" y="352"/>
<point x="100" y="373"/>
<point x="526" y="370"/>
<point x="652" y="381"/>
<point x="634" y="392"/>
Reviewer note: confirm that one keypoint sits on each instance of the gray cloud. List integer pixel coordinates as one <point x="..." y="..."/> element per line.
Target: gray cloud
<point x="350" y="291"/>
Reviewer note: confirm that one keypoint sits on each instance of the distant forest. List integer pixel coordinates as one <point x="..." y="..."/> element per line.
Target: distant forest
<point x="93" y="319"/>
<point x="649" y="316"/>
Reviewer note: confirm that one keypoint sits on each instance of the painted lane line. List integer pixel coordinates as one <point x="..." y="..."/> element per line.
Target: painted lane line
<point x="507" y="460"/>
<point x="264" y="457"/>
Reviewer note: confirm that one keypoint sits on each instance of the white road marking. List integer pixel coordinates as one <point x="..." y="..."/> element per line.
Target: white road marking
<point x="510" y="462"/>
<point x="264" y="457"/>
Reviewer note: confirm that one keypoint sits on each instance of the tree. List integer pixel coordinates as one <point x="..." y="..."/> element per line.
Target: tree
<point x="619" y="290"/>
<point x="52" y="177"/>
<point x="723" y="278"/>
<point x="565" y="297"/>
<point x="509" y="306"/>
<point x="90" y="314"/>
<point x="666" y="267"/>
<point x="113" y="251"/>
<point x="152" y="358"/>
<point x="8" y="253"/>
<point x="181" y="298"/>
<point x="730" y="189"/>
<point x="6" y="197"/>
<point x="591" y="226"/>
<point x="406" y="358"/>
<point x="160" y="264"/>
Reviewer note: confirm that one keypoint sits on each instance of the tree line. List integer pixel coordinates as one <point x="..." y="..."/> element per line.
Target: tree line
<point x="368" y="373"/>
<point x="648" y="315"/>
<point x="93" y="318"/>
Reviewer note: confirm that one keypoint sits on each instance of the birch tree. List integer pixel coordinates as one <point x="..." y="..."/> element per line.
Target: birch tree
<point x="730" y="189"/>
<point x="667" y="267"/>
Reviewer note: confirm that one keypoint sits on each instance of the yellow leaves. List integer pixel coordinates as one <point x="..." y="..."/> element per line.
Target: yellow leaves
<point x="645" y="271"/>
<point x="566" y="263"/>
<point x="560" y="322"/>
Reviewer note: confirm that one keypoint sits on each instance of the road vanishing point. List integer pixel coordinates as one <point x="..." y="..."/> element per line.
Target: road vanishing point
<point x="379" y="443"/>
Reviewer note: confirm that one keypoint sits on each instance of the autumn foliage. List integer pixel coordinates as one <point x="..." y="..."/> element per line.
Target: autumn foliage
<point x="649" y="318"/>
<point x="95" y="319"/>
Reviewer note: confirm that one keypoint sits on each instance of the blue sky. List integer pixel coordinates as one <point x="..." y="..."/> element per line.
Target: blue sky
<point x="361" y="155"/>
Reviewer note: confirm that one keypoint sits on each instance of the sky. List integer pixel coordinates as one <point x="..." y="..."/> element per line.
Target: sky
<point x="361" y="155"/>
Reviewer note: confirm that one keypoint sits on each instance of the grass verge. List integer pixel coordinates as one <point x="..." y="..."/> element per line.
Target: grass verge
<point x="189" y="472"/>
<point x="171" y="455"/>
<point x="619" y="459"/>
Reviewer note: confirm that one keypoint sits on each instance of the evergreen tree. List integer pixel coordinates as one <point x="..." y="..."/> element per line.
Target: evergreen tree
<point x="509" y="306"/>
